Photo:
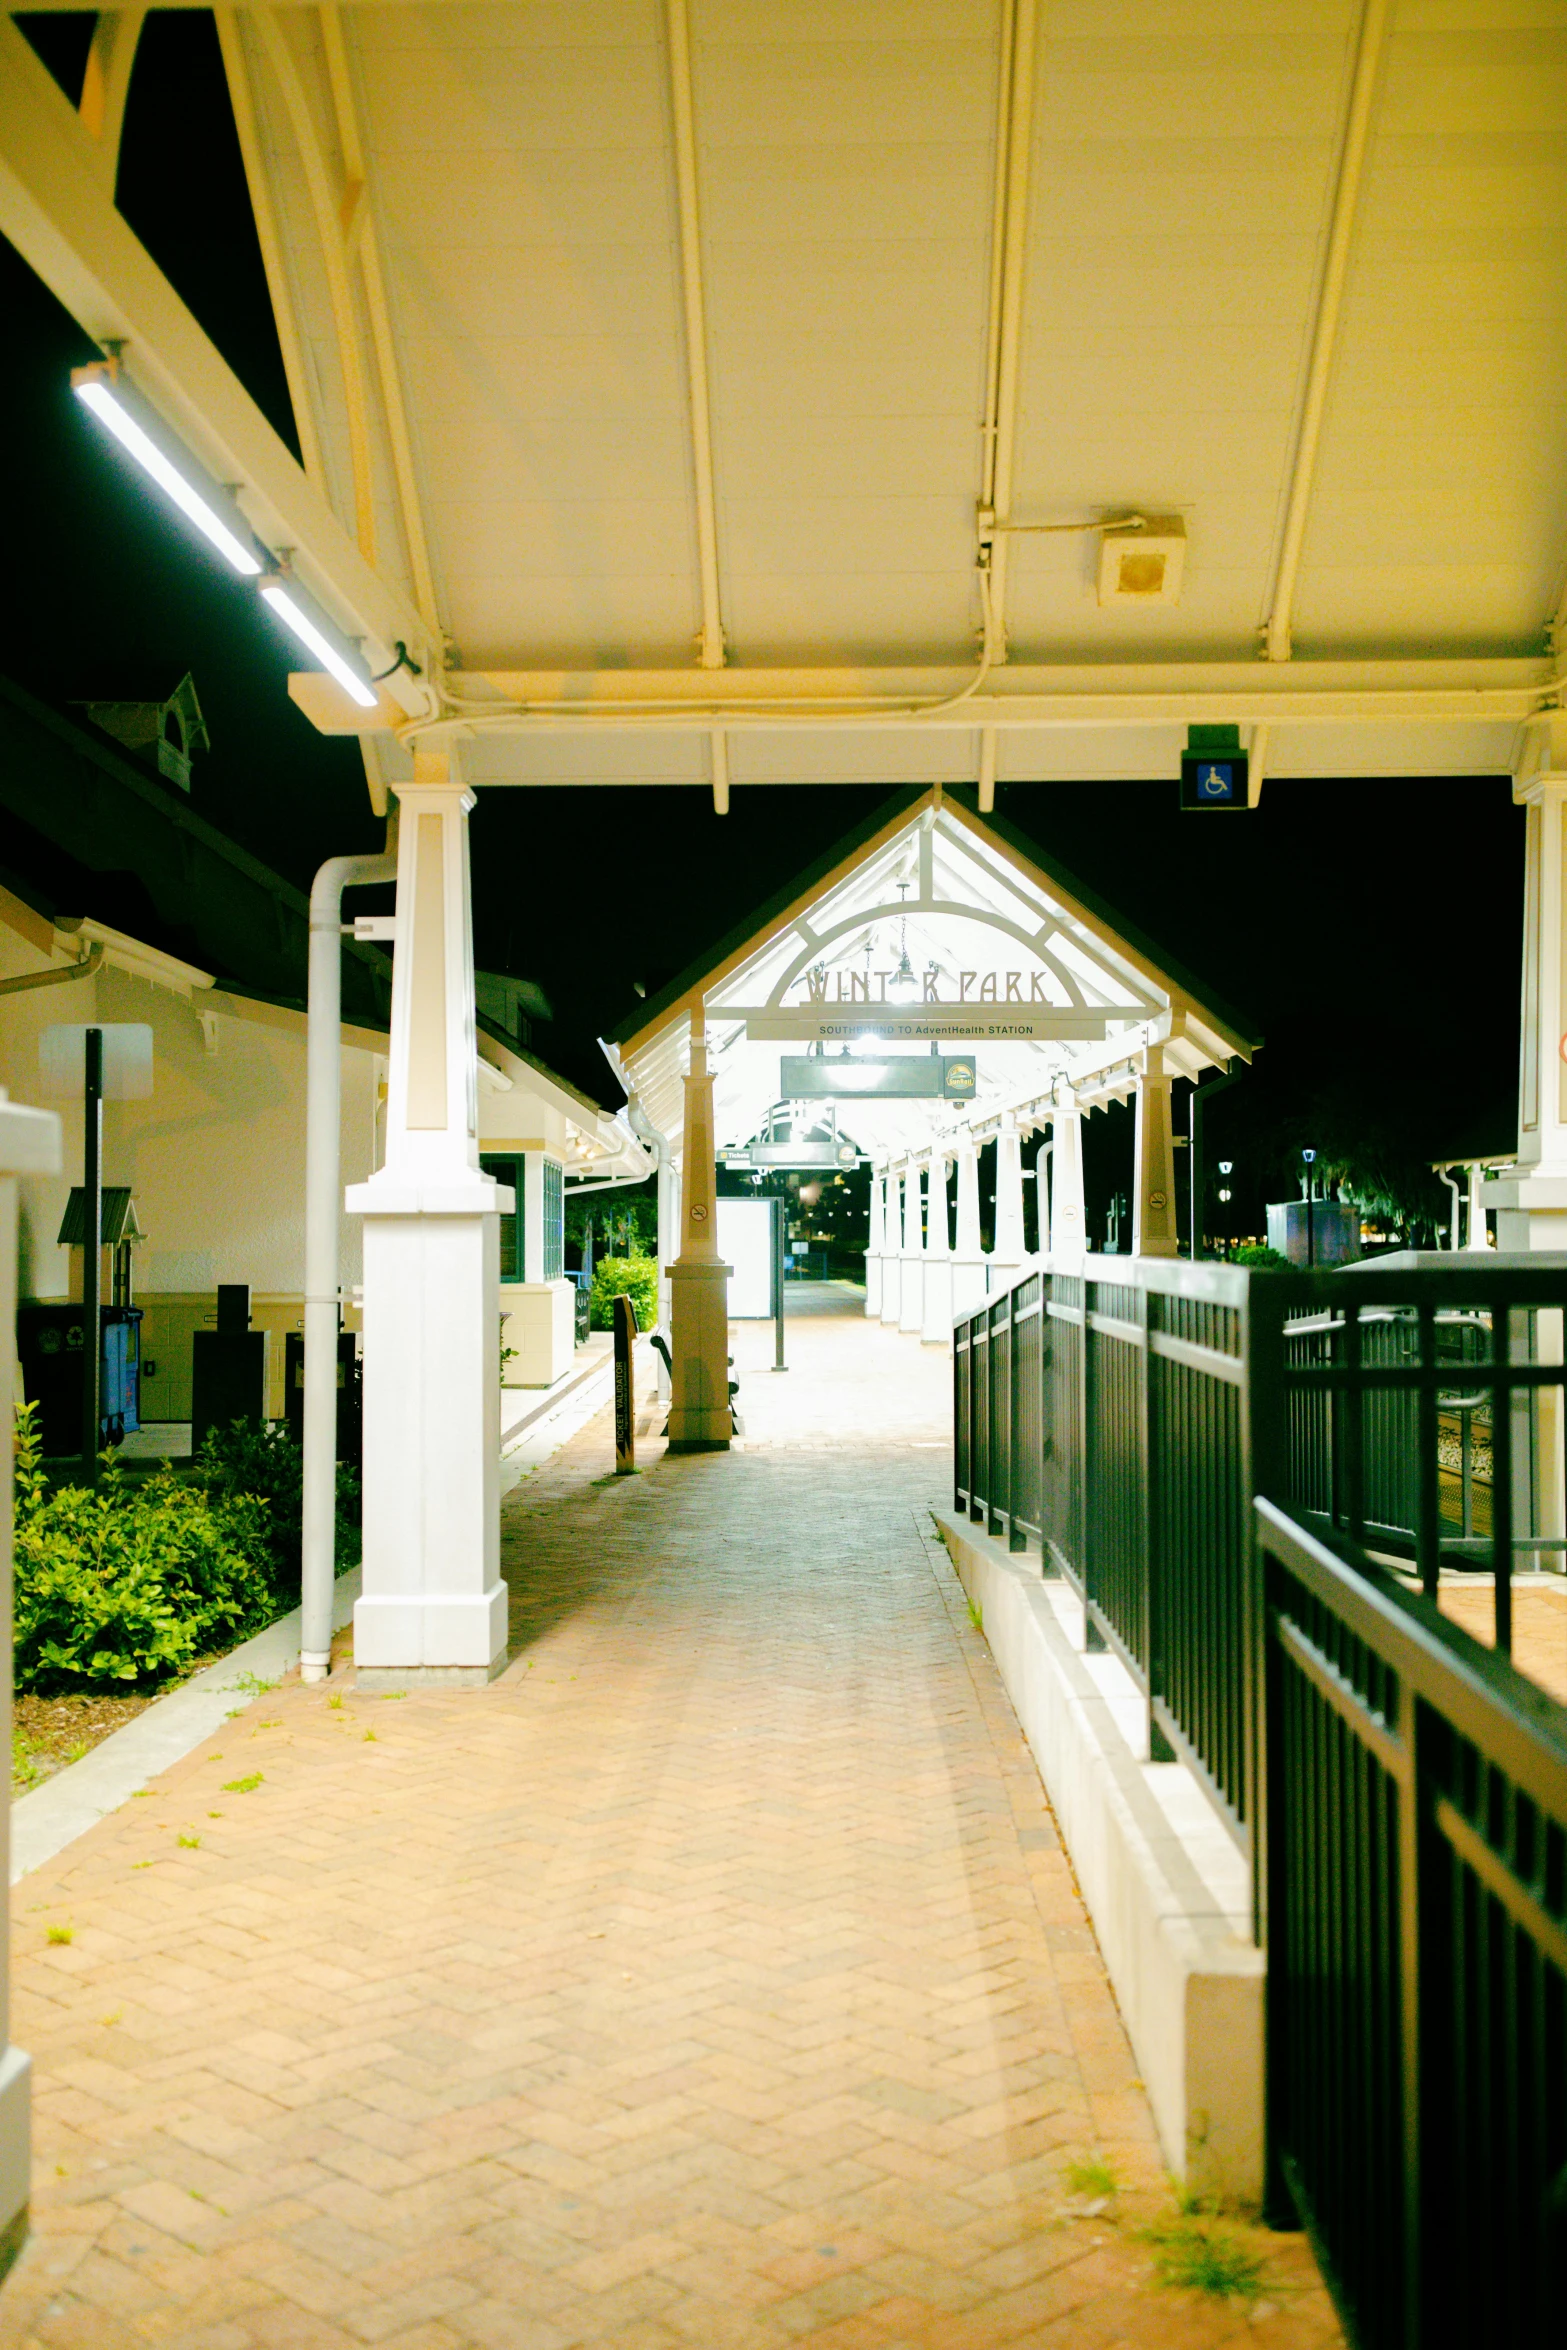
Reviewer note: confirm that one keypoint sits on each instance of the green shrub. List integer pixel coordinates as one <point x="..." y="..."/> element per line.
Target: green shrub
<point x="1259" y="1259"/>
<point x="125" y="1582"/>
<point x="633" y="1277"/>
<point x="259" y="1457"/>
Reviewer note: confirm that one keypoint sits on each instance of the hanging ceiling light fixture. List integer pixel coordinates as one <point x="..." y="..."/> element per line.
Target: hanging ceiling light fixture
<point x="903" y="986"/>
<point x="305" y="620"/>
<point x="105" y="393"/>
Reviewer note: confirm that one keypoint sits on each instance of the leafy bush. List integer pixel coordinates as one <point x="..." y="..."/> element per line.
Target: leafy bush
<point x="1259" y="1259"/>
<point x="260" y="1458"/>
<point x="127" y="1582"/>
<point x="634" y="1277"/>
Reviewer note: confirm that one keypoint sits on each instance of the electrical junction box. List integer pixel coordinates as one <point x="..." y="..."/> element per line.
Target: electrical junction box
<point x="1142" y="559"/>
<point x="1215" y="771"/>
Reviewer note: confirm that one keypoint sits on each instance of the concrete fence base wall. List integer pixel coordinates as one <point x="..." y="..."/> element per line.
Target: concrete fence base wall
<point x="1187" y="1976"/>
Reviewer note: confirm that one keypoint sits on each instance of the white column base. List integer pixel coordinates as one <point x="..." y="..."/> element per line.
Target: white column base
<point x="464" y="1639"/>
<point x="873" y="1265"/>
<point x="911" y="1293"/>
<point x="968" y="1286"/>
<point x="16" y="2152"/>
<point x="434" y="1606"/>
<point x="701" y="1417"/>
<point x="936" y="1329"/>
<point x="891" y="1289"/>
<point x="541" y="1325"/>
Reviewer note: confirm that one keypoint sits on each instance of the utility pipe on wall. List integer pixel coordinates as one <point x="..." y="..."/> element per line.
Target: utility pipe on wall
<point x="323" y="1206"/>
<point x="58" y="978"/>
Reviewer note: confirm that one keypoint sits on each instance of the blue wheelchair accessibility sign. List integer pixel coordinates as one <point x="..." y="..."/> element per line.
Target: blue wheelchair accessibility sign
<point x="1213" y="782"/>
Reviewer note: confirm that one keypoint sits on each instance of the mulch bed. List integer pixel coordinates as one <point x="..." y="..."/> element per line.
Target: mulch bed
<point x="55" y="1731"/>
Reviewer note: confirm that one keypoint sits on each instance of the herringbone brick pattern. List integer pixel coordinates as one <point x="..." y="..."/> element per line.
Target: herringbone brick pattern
<point x="715" y="1978"/>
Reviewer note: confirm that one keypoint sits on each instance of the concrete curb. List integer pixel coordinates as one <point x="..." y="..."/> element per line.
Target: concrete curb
<point x="78" y="1797"/>
<point x="1187" y="1976"/>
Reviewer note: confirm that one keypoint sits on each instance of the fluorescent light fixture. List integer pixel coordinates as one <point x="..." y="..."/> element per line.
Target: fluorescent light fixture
<point x="304" y="620"/>
<point x="143" y="435"/>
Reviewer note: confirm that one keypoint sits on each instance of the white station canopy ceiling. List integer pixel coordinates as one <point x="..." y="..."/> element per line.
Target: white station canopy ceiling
<point x="720" y="390"/>
<point x="934" y="933"/>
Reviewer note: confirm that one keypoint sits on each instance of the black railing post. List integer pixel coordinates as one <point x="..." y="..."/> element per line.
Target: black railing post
<point x="1502" y="1475"/>
<point x="1150" y="1436"/>
<point x="1264" y="1433"/>
<point x="1428" y="1523"/>
<point x="1093" y="1638"/>
<point x="92" y="1250"/>
<point x="1410" y="1845"/>
<point x="1047" y="1564"/>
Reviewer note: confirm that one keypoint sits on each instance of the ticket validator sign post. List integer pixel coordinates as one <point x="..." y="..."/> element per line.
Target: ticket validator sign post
<point x="625" y="1388"/>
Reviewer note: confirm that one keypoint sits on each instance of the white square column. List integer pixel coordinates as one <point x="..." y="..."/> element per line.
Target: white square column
<point x="936" y="1329"/>
<point x="1068" y="1216"/>
<point x="29" y="1145"/>
<point x="433" y="1606"/>
<point x="875" y="1245"/>
<point x="1009" y="1253"/>
<point x="968" y="1261"/>
<point x="911" y="1287"/>
<point x="1531" y="1203"/>
<point x="1153" y="1192"/>
<point x="892" y="1258"/>
<point x="701" y="1416"/>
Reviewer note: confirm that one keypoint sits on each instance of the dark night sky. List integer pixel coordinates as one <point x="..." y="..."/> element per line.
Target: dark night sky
<point x="1368" y="930"/>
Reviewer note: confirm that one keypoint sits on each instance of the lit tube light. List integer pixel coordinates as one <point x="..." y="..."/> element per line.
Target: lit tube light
<point x="315" y="632"/>
<point x="141" y="433"/>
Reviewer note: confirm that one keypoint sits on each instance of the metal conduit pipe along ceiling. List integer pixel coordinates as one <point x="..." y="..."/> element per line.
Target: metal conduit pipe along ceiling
<point x="323" y="1201"/>
<point x="1278" y="628"/>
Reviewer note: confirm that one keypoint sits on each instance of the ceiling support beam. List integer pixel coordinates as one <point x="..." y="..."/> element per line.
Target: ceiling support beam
<point x="1278" y="637"/>
<point x="359" y="230"/>
<point x="55" y="210"/>
<point x="1247" y="693"/>
<point x="710" y="646"/>
<point x="236" y="72"/>
<point x="1257" y="762"/>
<point x="107" y="82"/>
<point x="328" y="213"/>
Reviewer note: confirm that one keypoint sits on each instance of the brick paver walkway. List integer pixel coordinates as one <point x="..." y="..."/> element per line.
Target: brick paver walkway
<point x="715" y="1978"/>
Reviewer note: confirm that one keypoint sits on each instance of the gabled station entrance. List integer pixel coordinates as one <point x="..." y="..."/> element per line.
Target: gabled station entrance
<point x="934" y="985"/>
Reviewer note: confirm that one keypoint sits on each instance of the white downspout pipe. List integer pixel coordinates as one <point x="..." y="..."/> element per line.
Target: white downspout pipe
<point x="1451" y="1181"/>
<point x="323" y="1205"/>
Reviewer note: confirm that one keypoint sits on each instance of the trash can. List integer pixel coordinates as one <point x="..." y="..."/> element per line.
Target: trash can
<point x="350" y="1392"/>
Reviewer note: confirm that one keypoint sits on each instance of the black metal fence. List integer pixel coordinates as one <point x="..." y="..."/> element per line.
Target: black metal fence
<point x="1214" y="1459"/>
<point x="1414" y="1875"/>
<point x="1124" y="1413"/>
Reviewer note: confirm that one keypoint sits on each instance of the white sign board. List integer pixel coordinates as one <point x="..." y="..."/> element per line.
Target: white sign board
<point x="925" y="1023"/>
<point x="745" y="1242"/>
<point x="127" y="1060"/>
